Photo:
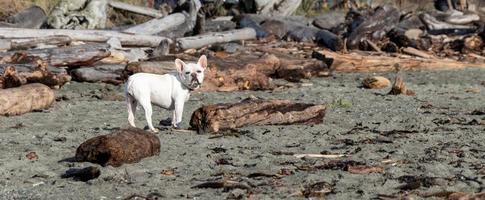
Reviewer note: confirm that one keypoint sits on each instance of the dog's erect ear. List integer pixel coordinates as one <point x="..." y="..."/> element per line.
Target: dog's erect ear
<point x="202" y="61"/>
<point x="179" y="65"/>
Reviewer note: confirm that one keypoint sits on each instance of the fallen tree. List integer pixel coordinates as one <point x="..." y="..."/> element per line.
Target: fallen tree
<point x="26" y="98"/>
<point x="220" y="117"/>
<point x="120" y="147"/>
<point x="21" y="74"/>
<point x="85" y="35"/>
<point x="136" y="9"/>
<point x="27" y="43"/>
<point x="99" y="73"/>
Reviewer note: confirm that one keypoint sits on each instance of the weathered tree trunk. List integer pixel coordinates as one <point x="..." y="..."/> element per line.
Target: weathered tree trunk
<point x="220" y="117"/>
<point x="437" y="27"/>
<point x="120" y="147"/>
<point x="26" y="98"/>
<point x="99" y="73"/>
<point x="155" y="26"/>
<point x="68" y="56"/>
<point x="85" y="35"/>
<point x="27" y="43"/>
<point x="370" y="63"/>
<point x="136" y="9"/>
<point x="212" y="38"/>
<point x="329" y="40"/>
<point x="21" y="74"/>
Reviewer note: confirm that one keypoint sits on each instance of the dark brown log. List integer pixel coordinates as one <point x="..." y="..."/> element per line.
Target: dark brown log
<point x="26" y="98"/>
<point x="100" y="73"/>
<point x="20" y="74"/>
<point x="120" y="147"/>
<point x="220" y="117"/>
<point x="68" y="56"/>
<point x="329" y="40"/>
<point x="383" y="19"/>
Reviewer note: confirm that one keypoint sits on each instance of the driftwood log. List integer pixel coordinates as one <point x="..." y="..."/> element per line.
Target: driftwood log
<point x="220" y="117"/>
<point x="99" y="73"/>
<point x="14" y="75"/>
<point x="27" y="43"/>
<point x="153" y="67"/>
<point x="374" y="63"/>
<point x="26" y="98"/>
<point x="212" y="38"/>
<point x="85" y="35"/>
<point x="136" y="9"/>
<point x="155" y="26"/>
<point x="68" y="56"/>
<point x="121" y="146"/>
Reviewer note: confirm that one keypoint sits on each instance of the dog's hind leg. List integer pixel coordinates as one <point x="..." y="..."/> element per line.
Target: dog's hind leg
<point x="131" y="104"/>
<point x="147" y="106"/>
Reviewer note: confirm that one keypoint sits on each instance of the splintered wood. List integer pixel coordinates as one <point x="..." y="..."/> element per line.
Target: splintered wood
<point x="220" y="117"/>
<point x="26" y="98"/>
<point x="122" y="146"/>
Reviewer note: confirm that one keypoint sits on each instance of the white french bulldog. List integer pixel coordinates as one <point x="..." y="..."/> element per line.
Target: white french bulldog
<point x="169" y="91"/>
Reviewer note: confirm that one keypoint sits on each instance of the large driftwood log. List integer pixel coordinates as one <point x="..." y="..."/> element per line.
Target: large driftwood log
<point x="85" y="35"/>
<point x="14" y="75"/>
<point x="27" y="43"/>
<point x="26" y="98"/>
<point x="212" y="38"/>
<point x="437" y="27"/>
<point x="155" y="26"/>
<point x="136" y="9"/>
<point x="371" y="63"/>
<point x="68" y="56"/>
<point x="153" y="67"/>
<point x="99" y="73"/>
<point x="220" y="117"/>
<point x="120" y="147"/>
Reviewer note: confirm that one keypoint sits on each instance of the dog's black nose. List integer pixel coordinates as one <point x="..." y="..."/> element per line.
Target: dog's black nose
<point x="193" y="75"/>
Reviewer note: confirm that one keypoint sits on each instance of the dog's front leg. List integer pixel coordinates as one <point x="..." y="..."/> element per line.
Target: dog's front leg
<point x="177" y="114"/>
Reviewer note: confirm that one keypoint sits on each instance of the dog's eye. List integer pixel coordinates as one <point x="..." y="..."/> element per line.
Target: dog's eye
<point x="198" y="71"/>
<point x="187" y="72"/>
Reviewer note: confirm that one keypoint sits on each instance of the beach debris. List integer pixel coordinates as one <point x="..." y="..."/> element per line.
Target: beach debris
<point x="364" y="169"/>
<point x="318" y="190"/>
<point x="212" y="38"/>
<point x="15" y="75"/>
<point x="26" y="98"/>
<point x="32" y="156"/>
<point x="119" y="147"/>
<point x="399" y="87"/>
<point x="80" y="14"/>
<point x="376" y="82"/>
<point x="319" y="155"/>
<point x="150" y="196"/>
<point x="219" y="117"/>
<point x="31" y="17"/>
<point x="168" y="172"/>
<point x="226" y="184"/>
<point x="456" y="195"/>
<point x="83" y="174"/>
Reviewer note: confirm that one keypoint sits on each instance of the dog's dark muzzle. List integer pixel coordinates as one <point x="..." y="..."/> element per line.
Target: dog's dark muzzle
<point x="194" y="81"/>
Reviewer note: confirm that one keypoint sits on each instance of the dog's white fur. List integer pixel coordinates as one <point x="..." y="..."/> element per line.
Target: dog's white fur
<point x="169" y="91"/>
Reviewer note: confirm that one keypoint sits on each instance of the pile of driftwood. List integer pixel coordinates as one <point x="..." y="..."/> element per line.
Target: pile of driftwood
<point x="245" y="51"/>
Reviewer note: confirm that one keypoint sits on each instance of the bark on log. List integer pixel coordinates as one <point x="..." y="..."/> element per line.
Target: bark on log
<point x="153" y="67"/>
<point x="372" y="63"/>
<point x="120" y="147"/>
<point x="136" y="9"/>
<point x="26" y="98"/>
<point x="212" y="38"/>
<point x="329" y="40"/>
<point x="155" y="26"/>
<point x="220" y="117"/>
<point x="21" y="74"/>
<point x="85" y="35"/>
<point x="68" y="56"/>
<point x="99" y="73"/>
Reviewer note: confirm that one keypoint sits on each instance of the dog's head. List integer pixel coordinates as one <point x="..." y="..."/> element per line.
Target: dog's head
<point x="192" y="74"/>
